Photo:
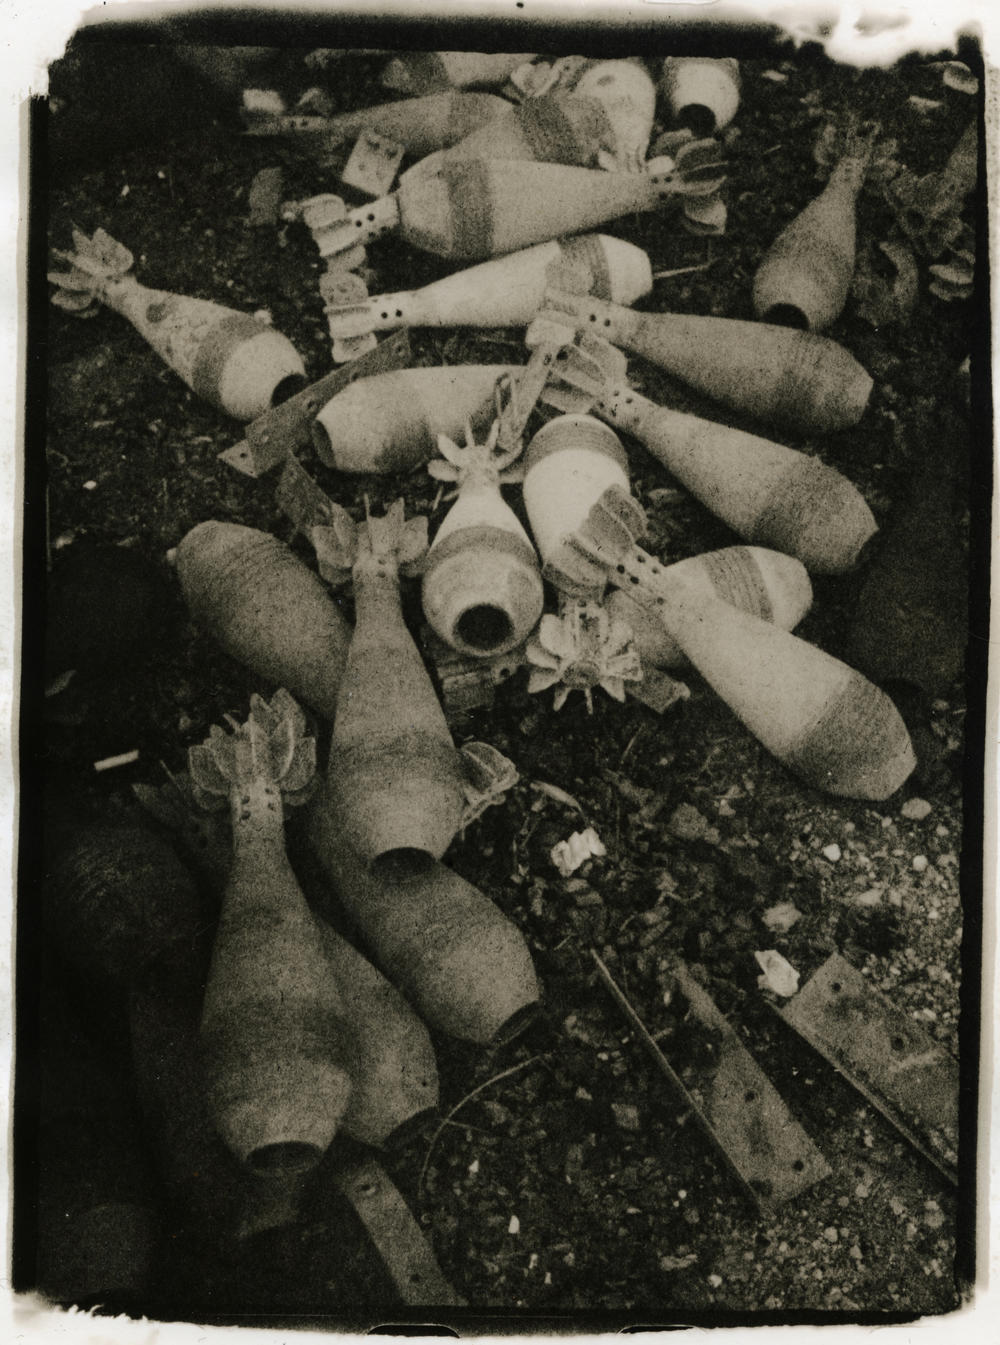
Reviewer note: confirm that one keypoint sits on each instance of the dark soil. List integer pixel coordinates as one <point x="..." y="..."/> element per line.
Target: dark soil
<point x="575" y="1186"/>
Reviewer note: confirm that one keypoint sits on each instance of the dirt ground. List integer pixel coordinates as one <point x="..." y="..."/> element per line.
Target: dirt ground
<point x="573" y="1190"/>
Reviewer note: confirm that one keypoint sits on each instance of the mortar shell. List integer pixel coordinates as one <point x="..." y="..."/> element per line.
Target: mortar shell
<point x="272" y="1028"/>
<point x="394" y="1078"/>
<point x="390" y="422"/>
<point x="758" y="581"/>
<point x="462" y="964"/>
<point x="477" y="208"/>
<point x="769" y="494"/>
<point x="805" y="276"/>
<point x="799" y="378"/>
<point x="266" y="609"/>
<point x="236" y="361"/>
<point x="821" y="718"/>
<point x="482" y="589"/>
<point x="503" y="292"/>
<point x="117" y="897"/>
<point x="703" y="93"/>
<point x="628" y="95"/>
<point x="568" y="465"/>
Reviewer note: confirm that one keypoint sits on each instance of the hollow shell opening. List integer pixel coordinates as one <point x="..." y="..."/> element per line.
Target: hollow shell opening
<point x="290" y="1156"/>
<point x="786" y="315"/>
<point x="395" y="866"/>
<point x="286" y="388"/>
<point x="484" y="627"/>
<point x="699" y="120"/>
<point x="515" y="1024"/>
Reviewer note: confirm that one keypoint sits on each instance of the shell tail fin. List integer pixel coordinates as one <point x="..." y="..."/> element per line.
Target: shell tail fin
<point x="93" y="263"/>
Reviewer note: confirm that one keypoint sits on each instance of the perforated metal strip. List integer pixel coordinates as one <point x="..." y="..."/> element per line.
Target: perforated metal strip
<point x="398" y="1238"/>
<point x="285" y="428"/>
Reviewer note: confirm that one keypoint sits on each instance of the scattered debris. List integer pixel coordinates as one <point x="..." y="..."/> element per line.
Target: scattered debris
<point x="688" y="824"/>
<point x="626" y="1116"/>
<point x="568" y="855"/>
<point x="112" y="763"/>
<point x="779" y="976"/>
<point x="556" y="794"/>
<point x="782" y="917"/>
<point x="266" y="194"/>
<point x="668" y="1263"/>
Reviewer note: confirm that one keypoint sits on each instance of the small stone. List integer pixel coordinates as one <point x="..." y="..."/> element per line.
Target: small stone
<point x="920" y="863"/>
<point x="832" y="852"/>
<point x="687" y="823"/>
<point x="782" y="917"/>
<point x="515" y="1224"/>
<point x="626" y="1115"/>
<point x="916" y="809"/>
<point x="872" y="897"/>
<point x="855" y="1252"/>
<point x="669" y="1263"/>
<point x="715" y="1281"/>
<point x="90" y="485"/>
<point x="831" y="1234"/>
<point x="589" y="898"/>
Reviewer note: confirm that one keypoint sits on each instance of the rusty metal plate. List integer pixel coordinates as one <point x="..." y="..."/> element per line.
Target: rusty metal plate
<point x="732" y="1101"/>
<point x="397" y="1236"/>
<point x="285" y="428"/>
<point x="888" y="1057"/>
<point x="300" y="498"/>
<point x="764" y="1142"/>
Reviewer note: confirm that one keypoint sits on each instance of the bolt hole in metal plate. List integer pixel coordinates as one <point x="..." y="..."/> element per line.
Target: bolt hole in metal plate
<point x="285" y="428"/>
<point x="904" y="1073"/>
<point x="398" y="1239"/>
<point x="769" y="1149"/>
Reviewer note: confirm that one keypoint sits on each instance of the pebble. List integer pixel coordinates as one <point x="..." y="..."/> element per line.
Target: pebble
<point x="920" y="863"/>
<point x="831" y="1234"/>
<point x="678" y="1262"/>
<point x="916" y="809"/>
<point x="515" y="1224"/>
<point x="872" y="897"/>
<point x="782" y="917"/>
<point x="688" y="824"/>
<point x="626" y="1115"/>
<point x="715" y="1281"/>
<point x="832" y="852"/>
